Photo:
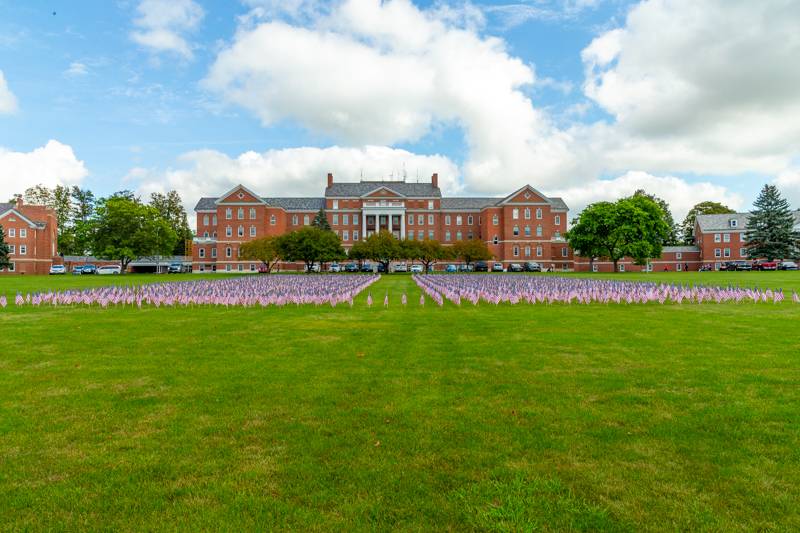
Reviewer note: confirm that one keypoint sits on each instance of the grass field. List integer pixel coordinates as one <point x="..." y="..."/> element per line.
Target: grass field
<point x="510" y="418"/>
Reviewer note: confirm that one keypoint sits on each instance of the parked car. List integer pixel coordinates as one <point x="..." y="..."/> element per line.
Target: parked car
<point x="335" y="267"/>
<point x="351" y="267"/>
<point x="366" y="267"/>
<point x="401" y="267"/>
<point x="314" y="268"/>
<point x="416" y="269"/>
<point x="532" y="266"/>
<point x="58" y="269"/>
<point x="451" y="268"/>
<point x="262" y="269"/>
<point x="481" y="266"/>
<point x="765" y="265"/>
<point x="77" y="271"/>
<point x="515" y="267"/>
<point x="108" y="270"/>
<point x="787" y="265"/>
<point x="381" y="268"/>
<point x="466" y="268"/>
<point x="88" y="269"/>
<point x="497" y="267"/>
<point x="705" y="268"/>
<point x="175" y="268"/>
<point x="736" y="265"/>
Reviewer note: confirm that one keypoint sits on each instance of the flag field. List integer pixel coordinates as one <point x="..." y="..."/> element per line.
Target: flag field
<point x="614" y="417"/>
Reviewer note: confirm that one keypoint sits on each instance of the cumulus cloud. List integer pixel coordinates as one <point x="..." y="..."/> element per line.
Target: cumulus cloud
<point x="50" y="165"/>
<point x="8" y="102"/>
<point x="788" y="182"/>
<point x="76" y="68"/>
<point x="162" y="25"/>
<point x="288" y="172"/>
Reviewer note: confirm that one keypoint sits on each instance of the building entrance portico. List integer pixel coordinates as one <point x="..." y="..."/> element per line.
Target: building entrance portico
<point x="384" y="215"/>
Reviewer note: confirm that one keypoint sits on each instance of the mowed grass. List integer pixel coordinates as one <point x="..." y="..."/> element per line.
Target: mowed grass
<point x="508" y="418"/>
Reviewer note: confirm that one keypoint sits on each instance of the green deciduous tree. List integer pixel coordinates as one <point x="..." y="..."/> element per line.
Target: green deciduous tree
<point x="310" y="245"/>
<point x="673" y="236"/>
<point x="383" y="248"/>
<point x="470" y="250"/>
<point x="703" y="208"/>
<point x="5" y="262"/>
<point x="430" y="251"/>
<point x="170" y="207"/>
<point x="125" y="229"/>
<point x="267" y="250"/>
<point x="770" y="226"/>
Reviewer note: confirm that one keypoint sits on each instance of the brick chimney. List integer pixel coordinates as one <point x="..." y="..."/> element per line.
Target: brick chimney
<point x="19" y="202"/>
<point x="330" y="179"/>
<point x="435" y="179"/>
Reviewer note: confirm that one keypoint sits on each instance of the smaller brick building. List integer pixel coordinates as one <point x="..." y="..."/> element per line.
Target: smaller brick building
<point x="31" y="232"/>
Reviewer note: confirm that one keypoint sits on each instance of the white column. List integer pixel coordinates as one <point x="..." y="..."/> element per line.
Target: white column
<point x="363" y="224"/>
<point x="403" y="225"/>
<point x="390" y="221"/>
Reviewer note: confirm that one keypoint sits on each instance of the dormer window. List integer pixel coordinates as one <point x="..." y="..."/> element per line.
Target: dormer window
<point x="734" y="223"/>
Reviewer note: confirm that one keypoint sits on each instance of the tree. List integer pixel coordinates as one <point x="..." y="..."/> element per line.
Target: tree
<point x="673" y="235"/>
<point x="83" y="204"/>
<point x="703" y="208"/>
<point x="5" y="262"/>
<point x="62" y="205"/>
<point x="170" y="207"/>
<point x="471" y="250"/>
<point x="383" y="248"/>
<point x="125" y="229"/>
<point x="321" y="220"/>
<point x="267" y="250"/>
<point x="38" y="195"/>
<point x="633" y="227"/>
<point x="310" y="245"/>
<point x="358" y="252"/>
<point x="428" y="252"/>
<point x="770" y="232"/>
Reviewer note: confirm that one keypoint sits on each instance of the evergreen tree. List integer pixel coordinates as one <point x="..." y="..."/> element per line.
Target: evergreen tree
<point x="5" y="262"/>
<point x="703" y="208"/>
<point x="321" y="221"/>
<point x="770" y="231"/>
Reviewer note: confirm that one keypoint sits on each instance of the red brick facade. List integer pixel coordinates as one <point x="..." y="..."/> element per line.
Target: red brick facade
<point x="32" y="235"/>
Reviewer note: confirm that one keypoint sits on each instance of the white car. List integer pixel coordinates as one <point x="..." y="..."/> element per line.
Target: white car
<point x="335" y="267"/>
<point x="400" y="267"/>
<point x="109" y="269"/>
<point x="58" y="269"/>
<point x="416" y="269"/>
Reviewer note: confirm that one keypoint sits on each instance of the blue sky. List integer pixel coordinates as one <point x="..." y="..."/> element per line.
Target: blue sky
<point x="151" y="95"/>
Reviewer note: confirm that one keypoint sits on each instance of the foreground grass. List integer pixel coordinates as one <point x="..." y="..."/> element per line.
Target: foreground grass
<point x="489" y="418"/>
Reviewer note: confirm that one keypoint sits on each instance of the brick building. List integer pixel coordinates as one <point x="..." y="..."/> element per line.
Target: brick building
<point x="31" y="232"/>
<point x="523" y="226"/>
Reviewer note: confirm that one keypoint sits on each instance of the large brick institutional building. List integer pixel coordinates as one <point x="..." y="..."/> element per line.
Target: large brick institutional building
<point x="524" y="226"/>
<point x="31" y="232"/>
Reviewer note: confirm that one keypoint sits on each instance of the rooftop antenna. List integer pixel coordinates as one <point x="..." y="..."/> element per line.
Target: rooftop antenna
<point x="405" y="175"/>
<point x="362" y="173"/>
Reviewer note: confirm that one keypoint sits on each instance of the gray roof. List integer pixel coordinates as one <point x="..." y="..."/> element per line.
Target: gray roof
<point x="290" y="204"/>
<point x="357" y="189"/>
<point x="5" y="207"/>
<point x="680" y="249"/>
<point x="722" y="222"/>
<point x="468" y="203"/>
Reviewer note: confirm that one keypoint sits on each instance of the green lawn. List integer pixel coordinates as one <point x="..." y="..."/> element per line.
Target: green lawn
<point x="511" y="418"/>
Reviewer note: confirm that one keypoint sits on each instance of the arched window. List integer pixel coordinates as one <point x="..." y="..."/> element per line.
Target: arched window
<point x="539" y="230"/>
<point x="516" y="231"/>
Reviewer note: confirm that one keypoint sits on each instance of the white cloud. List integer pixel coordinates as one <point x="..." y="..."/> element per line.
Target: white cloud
<point x="288" y="172"/>
<point x="76" y="68"/>
<point x="677" y="192"/>
<point x="50" y="165"/>
<point x="788" y="182"/>
<point x="162" y="25"/>
<point x="8" y="102"/>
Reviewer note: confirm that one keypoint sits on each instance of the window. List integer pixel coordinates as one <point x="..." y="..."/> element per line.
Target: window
<point x="717" y="252"/>
<point x="336" y="204"/>
<point x="469" y="235"/>
<point x="527" y="231"/>
<point x="527" y="213"/>
<point x="295" y="220"/>
<point x="539" y="251"/>
<point x="717" y="237"/>
<point x="410" y="220"/>
<point x="214" y="220"/>
<point x="459" y="220"/>
<point x="228" y="251"/>
<point x="678" y="255"/>
<point x="420" y="219"/>
<point x="214" y="252"/>
<point x="515" y="251"/>
<point x="240" y="213"/>
<point x="355" y="234"/>
<point x="202" y="252"/>
<point x="252" y="213"/>
<point x="345" y="219"/>
<point x="252" y="267"/>
<point x="527" y="251"/>
<point x="734" y="223"/>
<point x="495" y="240"/>
<point x="678" y="267"/>
<point x="12" y="248"/>
<point x="205" y="220"/>
<point x="411" y="235"/>
<point x="564" y="251"/>
<point x="726" y="237"/>
<point x="621" y="267"/>
<point x="430" y="204"/>
<point x="227" y="268"/>
<point x="727" y="252"/>
<point x="214" y="234"/>
<point x="430" y="234"/>
<point x="11" y="267"/>
<point x="12" y="232"/>
<point x="447" y="235"/>
<point x="421" y="235"/>
<point x="355" y="219"/>
<point x="557" y="220"/>
<point x="516" y="231"/>
<point x="228" y="231"/>
<point x="557" y="234"/>
<point x="305" y="220"/>
<point x="273" y="220"/>
<point x="538" y="213"/>
<point x="469" y="220"/>
<point x="240" y="231"/>
<point x="430" y="220"/>
<point x="252" y="231"/>
<point x="458" y="235"/>
<point x="23" y="233"/>
<point x="495" y="220"/>
<point x="335" y="219"/>
<point x="228" y="213"/>
<point x="594" y="267"/>
<point x="515" y="213"/>
<point x="447" y="220"/>
<point x="345" y="235"/>
<point x="539" y="230"/>
<point x="205" y="234"/>
<point x="742" y="252"/>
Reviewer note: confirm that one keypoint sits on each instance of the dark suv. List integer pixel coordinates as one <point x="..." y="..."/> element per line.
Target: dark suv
<point x="737" y="265"/>
<point x="530" y="266"/>
<point x="481" y="266"/>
